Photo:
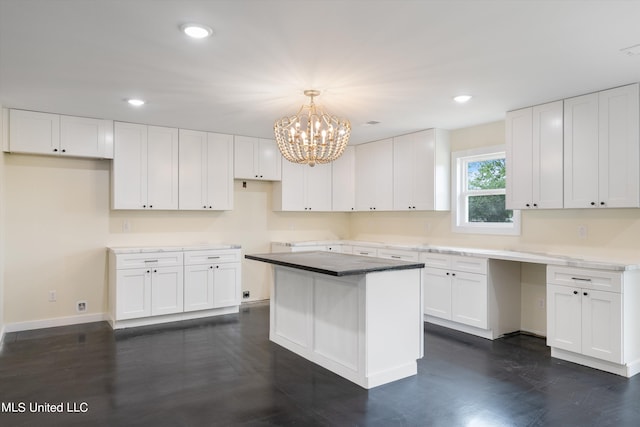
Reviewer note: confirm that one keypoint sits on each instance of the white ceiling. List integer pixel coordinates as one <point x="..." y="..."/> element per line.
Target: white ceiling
<point x="398" y="62"/>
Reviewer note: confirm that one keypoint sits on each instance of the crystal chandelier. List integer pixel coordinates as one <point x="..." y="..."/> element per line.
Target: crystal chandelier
<point x="312" y="135"/>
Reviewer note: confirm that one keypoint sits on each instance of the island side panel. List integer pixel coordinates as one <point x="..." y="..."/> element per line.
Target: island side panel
<point x="291" y="310"/>
<point x="394" y="325"/>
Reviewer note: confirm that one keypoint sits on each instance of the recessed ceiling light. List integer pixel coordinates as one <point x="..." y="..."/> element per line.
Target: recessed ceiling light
<point x="371" y="123"/>
<point x="461" y="99"/>
<point x="196" y="31"/>
<point x="136" y="102"/>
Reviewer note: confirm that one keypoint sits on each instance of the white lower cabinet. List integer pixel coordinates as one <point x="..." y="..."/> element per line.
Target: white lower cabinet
<point x="154" y="287"/>
<point x="473" y="295"/>
<point x="592" y="318"/>
<point x="212" y="279"/>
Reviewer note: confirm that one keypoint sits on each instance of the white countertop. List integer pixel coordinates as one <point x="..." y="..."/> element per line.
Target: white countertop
<point x="508" y="255"/>
<point x="203" y="247"/>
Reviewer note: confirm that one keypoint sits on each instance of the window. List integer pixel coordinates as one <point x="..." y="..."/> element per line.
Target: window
<point x="479" y="194"/>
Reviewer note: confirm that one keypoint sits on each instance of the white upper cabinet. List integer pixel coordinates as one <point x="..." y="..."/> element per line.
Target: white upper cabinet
<point x="534" y="159"/>
<point x="374" y="176"/>
<point x="256" y="158"/>
<point x="602" y="149"/>
<point x="44" y="133"/>
<point x="421" y="165"/>
<point x="205" y="171"/>
<point x="303" y="188"/>
<point x="145" y="167"/>
<point x="344" y="181"/>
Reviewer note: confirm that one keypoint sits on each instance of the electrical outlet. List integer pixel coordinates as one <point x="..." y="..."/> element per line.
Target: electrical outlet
<point x="53" y="296"/>
<point x="541" y="303"/>
<point x="126" y="226"/>
<point x="583" y="231"/>
<point x="81" y="306"/>
<point x="246" y="294"/>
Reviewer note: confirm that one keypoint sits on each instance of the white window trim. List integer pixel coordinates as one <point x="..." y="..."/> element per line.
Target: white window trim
<point x="459" y="224"/>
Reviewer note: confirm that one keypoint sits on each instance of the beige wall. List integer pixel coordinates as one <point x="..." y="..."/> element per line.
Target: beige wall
<point x="58" y="224"/>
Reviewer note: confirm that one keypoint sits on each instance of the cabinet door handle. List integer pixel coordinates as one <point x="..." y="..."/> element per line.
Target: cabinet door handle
<point x="55" y="150"/>
<point x="148" y="271"/>
<point x="396" y="257"/>
<point x="582" y="279"/>
<point x="213" y="257"/>
<point x="453" y="274"/>
<point x="155" y="271"/>
<point x="64" y="151"/>
<point x="601" y="203"/>
<point x="448" y="273"/>
<point x="575" y="292"/>
<point x="593" y="203"/>
<point x="586" y="294"/>
<point x="535" y="205"/>
<point x="150" y="260"/>
<point x="205" y="206"/>
<point x="217" y="266"/>
<point x="211" y="266"/>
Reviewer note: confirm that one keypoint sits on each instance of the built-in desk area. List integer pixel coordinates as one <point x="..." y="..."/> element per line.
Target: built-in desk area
<point x="359" y="317"/>
<point x="592" y="305"/>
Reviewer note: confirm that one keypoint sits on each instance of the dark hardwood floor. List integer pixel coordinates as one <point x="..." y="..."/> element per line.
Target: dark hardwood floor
<point x="225" y="372"/>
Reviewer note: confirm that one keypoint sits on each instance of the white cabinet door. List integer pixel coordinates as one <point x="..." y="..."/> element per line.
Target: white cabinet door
<point x="344" y="181"/>
<point x="602" y="325"/>
<point x="564" y="318"/>
<point x="290" y="193"/>
<point x="33" y="132"/>
<point x="437" y="293"/>
<point x="581" y="151"/>
<point x="256" y="158"/>
<point x="534" y="159"/>
<point x="133" y="293"/>
<point x="129" y="167"/>
<point x="318" y="187"/>
<point x="205" y="171"/>
<point x="243" y="159"/>
<point x="421" y="163"/>
<point x="303" y="188"/>
<point x="226" y="285"/>
<point x="269" y="160"/>
<point x="602" y="154"/>
<point x="548" y="174"/>
<point x="469" y="299"/>
<point x="192" y="170"/>
<point x="85" y="137"/>
<point x="619" y="147"/>
<point x="167" y="290"/>
<point x="519" y="165"/>
<point x="198" y="287"/>
<point x="162" y="167"/>
<point x="219" y="182"/>
<point x="404" y="170"/>
<point x="374" y="176"/>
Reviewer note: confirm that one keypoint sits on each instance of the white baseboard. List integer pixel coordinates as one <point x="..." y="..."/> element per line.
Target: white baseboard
<point x="50" y="323"/>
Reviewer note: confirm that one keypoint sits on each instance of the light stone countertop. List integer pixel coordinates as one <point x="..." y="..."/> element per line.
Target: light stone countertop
<point x="145" y="249"/>
<point x="508" y="255"/>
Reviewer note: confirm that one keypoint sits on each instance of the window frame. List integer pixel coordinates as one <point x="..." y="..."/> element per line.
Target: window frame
<point x="459" y="205"/>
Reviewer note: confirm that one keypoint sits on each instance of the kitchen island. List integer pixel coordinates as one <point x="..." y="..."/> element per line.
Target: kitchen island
<point x="358" y="317"/>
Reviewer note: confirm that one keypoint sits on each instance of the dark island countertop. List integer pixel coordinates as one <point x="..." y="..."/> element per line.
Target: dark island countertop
<point x="334" y="264"/>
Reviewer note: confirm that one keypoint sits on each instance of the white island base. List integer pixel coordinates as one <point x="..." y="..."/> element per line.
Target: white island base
<point x="366" y="328"/>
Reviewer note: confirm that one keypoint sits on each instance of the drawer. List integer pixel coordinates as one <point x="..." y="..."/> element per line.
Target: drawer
<point x="469" y="264"/>
<point x="400" y="254"/>
<point x="211" y="257"/>
<point x="365" y="251"/>
<point x="146" y="259"/>
<point x="435" y="260"/>
<point x="585" y="278"/>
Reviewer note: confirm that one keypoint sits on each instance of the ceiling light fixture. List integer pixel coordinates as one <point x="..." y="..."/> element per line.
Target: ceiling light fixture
<point x="312" y="135"/>
<point x="461" y="99"/>
<point x="196" y="31"/>
<point x="136" y="102"/>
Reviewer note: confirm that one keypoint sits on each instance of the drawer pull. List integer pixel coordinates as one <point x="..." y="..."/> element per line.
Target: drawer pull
<point x="213" y="257"/>
<point x="150" y="260"/>
<point x="396" y="257"/>
<point x="581" y="279"/>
